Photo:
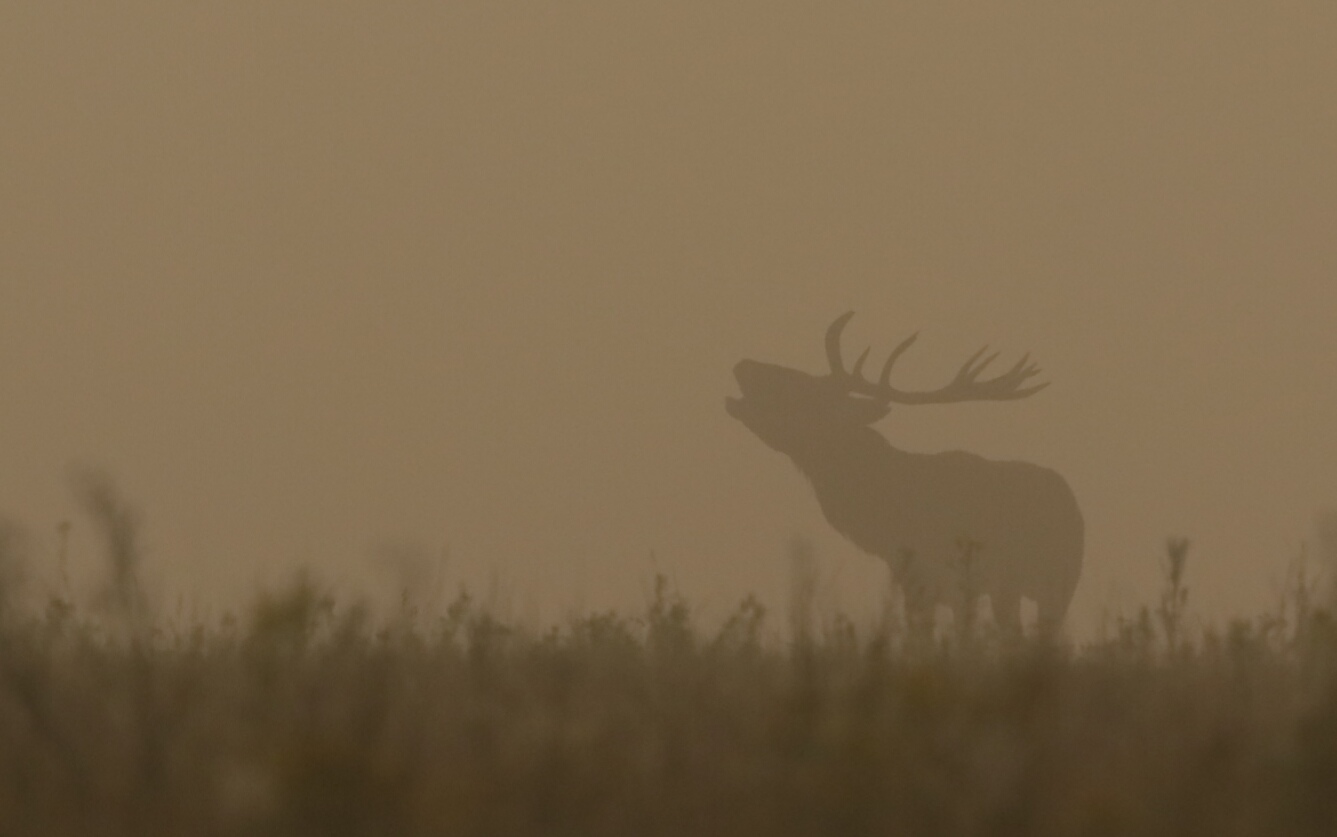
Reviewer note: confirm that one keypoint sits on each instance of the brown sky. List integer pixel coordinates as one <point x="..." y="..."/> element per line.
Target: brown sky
<point x="314" y="277"/>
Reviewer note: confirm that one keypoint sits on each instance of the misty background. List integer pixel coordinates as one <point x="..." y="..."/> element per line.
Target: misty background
<point x="324" y="282"/>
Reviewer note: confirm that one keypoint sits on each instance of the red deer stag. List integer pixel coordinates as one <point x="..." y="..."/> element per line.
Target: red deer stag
<point x="927" y="508"/>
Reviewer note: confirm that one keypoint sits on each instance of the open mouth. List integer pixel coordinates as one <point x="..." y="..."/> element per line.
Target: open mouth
<point x="738" y="404"/>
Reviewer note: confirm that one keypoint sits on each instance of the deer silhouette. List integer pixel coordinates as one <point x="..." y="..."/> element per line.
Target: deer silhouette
<point x="1014" y="527"/>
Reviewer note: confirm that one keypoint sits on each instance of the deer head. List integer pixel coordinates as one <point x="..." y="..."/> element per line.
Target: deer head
<point x="785" y="407"/>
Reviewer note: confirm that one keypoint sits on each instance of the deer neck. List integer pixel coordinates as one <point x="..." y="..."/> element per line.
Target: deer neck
<point x="857" y="478"/>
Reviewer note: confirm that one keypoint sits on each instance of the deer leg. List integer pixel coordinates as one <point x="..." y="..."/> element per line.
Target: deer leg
<point x="1049" y="615"/>
<point x="1006" y="606"/>
<point x="1044" y="614"/>
<point x="920" y="616"/>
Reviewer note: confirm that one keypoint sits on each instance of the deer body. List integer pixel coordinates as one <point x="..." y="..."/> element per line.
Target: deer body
<point x="1023" y="520"/>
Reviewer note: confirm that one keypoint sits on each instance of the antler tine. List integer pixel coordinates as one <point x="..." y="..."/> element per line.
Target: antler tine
<point x="1009" y="384"/>
<point x="884" y="380"/>
<point x="857" y="370"/>
<point x="833" y="343"/>
<point x="971" y="370"/>
<point x="1023" y="370"/>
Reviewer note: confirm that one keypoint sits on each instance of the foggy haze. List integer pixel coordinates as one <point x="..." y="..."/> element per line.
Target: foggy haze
<point x="317" y="280"/>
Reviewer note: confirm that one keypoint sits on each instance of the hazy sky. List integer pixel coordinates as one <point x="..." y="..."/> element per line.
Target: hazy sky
<point x="311" y="278"/>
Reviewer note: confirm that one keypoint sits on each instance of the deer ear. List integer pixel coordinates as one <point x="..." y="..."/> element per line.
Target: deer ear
<point x="866" y="410"/>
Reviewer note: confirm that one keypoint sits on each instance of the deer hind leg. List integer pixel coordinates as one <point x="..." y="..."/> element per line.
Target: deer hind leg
<point x="1049" y="612"/>
<point x="1005" y="602"/>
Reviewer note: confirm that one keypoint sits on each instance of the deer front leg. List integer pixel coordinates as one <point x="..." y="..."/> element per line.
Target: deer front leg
<point x="920" y="602"/>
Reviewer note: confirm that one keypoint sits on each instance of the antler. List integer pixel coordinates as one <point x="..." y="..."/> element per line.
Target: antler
<point x="966" y="386"/>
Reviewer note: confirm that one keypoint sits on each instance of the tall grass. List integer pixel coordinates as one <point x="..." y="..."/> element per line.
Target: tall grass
<point x="305" y="716"/>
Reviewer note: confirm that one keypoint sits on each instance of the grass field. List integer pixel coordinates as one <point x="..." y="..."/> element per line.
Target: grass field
<point x="306" y="717"/>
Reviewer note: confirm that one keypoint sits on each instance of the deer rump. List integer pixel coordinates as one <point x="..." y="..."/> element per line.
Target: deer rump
<point x="949" y="523"/>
